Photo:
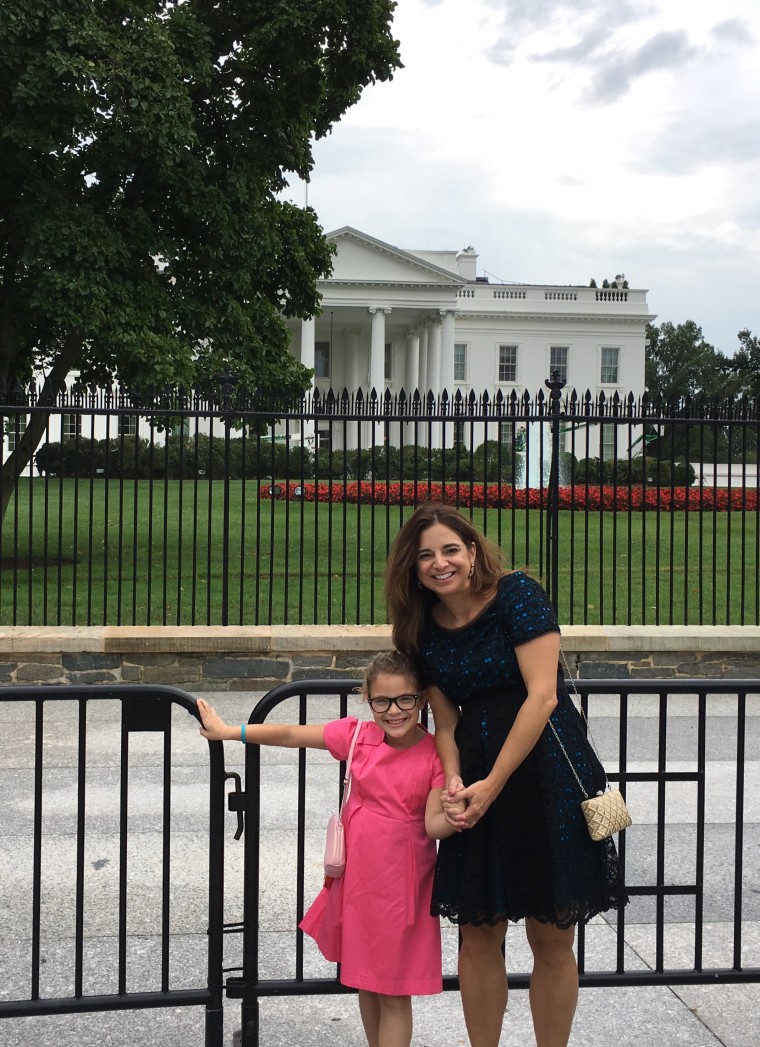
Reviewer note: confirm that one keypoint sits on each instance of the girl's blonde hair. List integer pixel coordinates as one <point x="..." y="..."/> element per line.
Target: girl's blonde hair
<point x="396" y="663"/>
<point x="408" y="601"/>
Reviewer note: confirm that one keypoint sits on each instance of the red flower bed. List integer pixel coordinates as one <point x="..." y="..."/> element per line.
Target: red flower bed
<point x="493" y="496"/>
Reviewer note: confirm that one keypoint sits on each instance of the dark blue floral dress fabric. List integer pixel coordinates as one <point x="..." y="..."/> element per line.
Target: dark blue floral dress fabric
<point x="531" y="854"/>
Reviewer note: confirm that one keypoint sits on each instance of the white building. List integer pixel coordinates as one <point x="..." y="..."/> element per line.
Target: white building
<point x="397" y="319"/>
<point x="425" y="320"/>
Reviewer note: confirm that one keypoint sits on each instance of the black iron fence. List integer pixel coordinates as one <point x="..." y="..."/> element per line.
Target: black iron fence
<point x="89" y="895"/>
<point x="677" y="750"/>
<point x="210" y="507"/>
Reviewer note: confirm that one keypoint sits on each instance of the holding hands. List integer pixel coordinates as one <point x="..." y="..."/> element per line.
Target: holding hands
<point x="464" y="807"/>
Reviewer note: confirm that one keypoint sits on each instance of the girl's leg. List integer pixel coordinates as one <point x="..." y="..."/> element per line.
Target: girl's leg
<point x="369" y="1009"/>
<point x="554" y="982"/>
<point x="387" y="1020"/>
<point x="483" y="982"/>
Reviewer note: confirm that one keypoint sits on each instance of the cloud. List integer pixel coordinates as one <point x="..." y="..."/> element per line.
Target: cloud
<point x="615" y="75"/>
<point x="733" y="31"/>
<point x="588" y="44"/>
<point x="689" y="145"/>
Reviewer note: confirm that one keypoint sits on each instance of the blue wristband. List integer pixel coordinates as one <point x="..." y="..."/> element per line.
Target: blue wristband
<point x="242" y="733"/>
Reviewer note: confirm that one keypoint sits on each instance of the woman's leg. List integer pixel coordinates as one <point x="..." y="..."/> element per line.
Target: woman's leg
<point x="483" y="982"/>
<point x="554" y="982"/>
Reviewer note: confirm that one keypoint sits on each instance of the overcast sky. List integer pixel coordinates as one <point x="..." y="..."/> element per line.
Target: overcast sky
<point x="564" y="140"/>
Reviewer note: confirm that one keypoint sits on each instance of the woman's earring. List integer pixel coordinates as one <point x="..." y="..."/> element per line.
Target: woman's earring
<point x="472" y="569"/>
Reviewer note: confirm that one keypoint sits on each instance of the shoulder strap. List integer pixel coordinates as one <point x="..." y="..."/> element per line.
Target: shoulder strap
<point x="347" y="780"/>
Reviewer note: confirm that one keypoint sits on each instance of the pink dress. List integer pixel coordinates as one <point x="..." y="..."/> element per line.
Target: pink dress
<point x="375" y="920"/>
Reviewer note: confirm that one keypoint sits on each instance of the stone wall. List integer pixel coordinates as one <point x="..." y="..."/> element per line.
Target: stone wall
<point x="257" y="658"/>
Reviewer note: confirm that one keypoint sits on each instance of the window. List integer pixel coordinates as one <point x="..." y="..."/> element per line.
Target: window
<point x="507" y="363"/>
<point x="507" y="434"/>
<point x="181" y="427"/>
<point x="459" y="433"/>
<point x="558" y="361"/>
<point x="323" y="437"/>
<point x="460" y="362"/>
<point x="71" y="426"/>
<point x="16" y="427"/>
<point x="388" y="361"/>
<point x="321" y="359"/>
<point x="127" y="425"/>
<point x="609" y="375"/>
<point x="608" y="443"/>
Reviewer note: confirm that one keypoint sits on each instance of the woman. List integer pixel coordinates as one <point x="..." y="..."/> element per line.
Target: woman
<point x="487" y="644"/>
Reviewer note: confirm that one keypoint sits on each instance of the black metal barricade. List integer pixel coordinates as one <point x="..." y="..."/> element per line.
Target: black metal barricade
<point x="59" y="886"/>
<point x="658" y="739"/>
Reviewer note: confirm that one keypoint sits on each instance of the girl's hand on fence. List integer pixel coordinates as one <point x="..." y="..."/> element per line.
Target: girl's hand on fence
<point x="214" y="728"/>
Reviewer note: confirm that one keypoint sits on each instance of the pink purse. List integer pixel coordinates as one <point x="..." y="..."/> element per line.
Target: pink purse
<point x="335" y="844"/>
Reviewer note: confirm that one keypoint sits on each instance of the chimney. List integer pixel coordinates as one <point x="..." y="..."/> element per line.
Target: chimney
<point x="467" y="263"/>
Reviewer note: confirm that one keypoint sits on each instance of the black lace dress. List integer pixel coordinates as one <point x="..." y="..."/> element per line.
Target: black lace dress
<point x="531" y="854"/>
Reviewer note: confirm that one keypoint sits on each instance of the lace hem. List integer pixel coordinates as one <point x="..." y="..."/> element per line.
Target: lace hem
<point x="568" y="918"/>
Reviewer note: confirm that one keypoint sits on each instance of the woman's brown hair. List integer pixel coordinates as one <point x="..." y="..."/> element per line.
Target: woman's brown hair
<point x="406" y="600"/>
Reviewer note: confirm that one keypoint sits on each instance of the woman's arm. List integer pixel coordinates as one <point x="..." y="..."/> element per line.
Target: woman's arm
<point x="446" y="717"/>
<point x="290" y="736"/>
<point x="537" y="661"/>
<point x="436" y="825"/>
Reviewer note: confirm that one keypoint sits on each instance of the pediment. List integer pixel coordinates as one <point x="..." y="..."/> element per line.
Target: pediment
<point x="363" y="259"/>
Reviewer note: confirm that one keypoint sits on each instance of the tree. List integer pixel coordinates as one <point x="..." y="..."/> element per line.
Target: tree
<point x="680" y="363"/>
<point x="144" y="147"/>
<point x="746" y="364"/>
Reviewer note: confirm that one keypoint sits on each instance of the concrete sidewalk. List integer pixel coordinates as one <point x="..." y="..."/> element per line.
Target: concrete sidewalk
<point x="698" y="1016"/>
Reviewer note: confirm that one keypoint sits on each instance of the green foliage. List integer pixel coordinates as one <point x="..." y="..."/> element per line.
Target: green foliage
<point x="654" y="472"/>
<point x="145" y="147"/>
<point x="680" y="363"/>
<point x="745" y="365"/>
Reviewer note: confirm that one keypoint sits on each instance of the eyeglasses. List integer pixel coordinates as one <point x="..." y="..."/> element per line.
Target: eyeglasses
<point x="381" y="704"/>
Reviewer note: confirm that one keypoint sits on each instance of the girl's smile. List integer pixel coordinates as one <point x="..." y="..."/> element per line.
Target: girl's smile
<point x="399" y="724"/>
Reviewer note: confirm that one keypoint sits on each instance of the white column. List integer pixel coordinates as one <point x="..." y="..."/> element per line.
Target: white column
<point x="377" y="351"/>
<point x="447" y="350"/>
<point x="412" y="363"/>
<point x="447" y="369"/>
<point x="434" y="376"/>
<point x="424" y="359"/>
<point x="412" y="377"/>
<point x="434" y="358"/>
<point x="308" y="332"/>
<point x="353" y="382"/>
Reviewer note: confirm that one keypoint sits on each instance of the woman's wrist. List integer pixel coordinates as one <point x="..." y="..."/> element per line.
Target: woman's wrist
<point x="495" y="783"/>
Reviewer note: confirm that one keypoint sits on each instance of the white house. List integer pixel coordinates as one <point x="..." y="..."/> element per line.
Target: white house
<point x="425" y="320"/>
<point x="396" y="319"/>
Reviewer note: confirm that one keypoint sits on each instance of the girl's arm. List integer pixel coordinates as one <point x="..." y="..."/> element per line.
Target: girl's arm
<point x="537" y="661"/>
<point x="291" y="736"/>
<point x="436" y="825"/>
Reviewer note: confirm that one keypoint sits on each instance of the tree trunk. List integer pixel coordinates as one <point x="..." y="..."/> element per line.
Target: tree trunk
<point x="21" y="456"/>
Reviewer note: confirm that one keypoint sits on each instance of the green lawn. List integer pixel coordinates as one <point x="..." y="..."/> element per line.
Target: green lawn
<point x="93" y="552"/>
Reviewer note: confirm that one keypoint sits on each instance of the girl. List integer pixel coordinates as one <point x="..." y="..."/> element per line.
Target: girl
<point x="375" y="920"/>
